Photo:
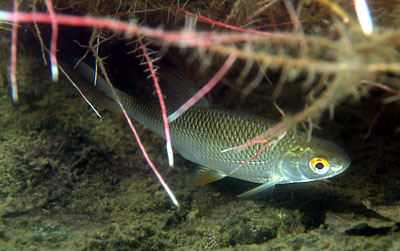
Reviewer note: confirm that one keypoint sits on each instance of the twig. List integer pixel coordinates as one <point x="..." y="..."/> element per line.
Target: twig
<point x="279" y="130"/>
<point x="80" y="92"/>
<point x="133" y="129"/>
<point x="162" y="103"/>
<point x="261" y="10"/>
<point x="224" y="25"/>
<point x="373" y="121"/>
<point x="247" y="161"/>
<point x="336" y="9"/>
<point x="265" y="143"/>
<point x="205" y="89"/>
<point x="293" y="16"/>
<point x="364" y="16"/>
<point x="42" y="46"/>
<point x="53" y="43"/>
<point x="14" y="38"/>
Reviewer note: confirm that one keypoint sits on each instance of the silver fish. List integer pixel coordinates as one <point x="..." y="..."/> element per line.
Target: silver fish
<point x="203" y="132"/>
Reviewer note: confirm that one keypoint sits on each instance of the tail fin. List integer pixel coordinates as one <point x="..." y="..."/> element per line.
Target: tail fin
<point x="101" y="93"/>
<point x="89" y="74"/>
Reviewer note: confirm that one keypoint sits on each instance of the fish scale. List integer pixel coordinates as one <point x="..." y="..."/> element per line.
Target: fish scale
<point x="203" y="132"/>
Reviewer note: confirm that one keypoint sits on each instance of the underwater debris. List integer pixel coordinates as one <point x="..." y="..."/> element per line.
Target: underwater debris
<point x="210" y="242"/>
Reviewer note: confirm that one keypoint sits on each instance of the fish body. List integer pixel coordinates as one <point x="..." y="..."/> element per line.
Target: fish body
<point x="203" y="132"/>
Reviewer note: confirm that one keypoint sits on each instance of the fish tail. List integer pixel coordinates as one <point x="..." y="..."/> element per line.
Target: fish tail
<point x="89" y="74"/>
<point x="103" y="94"/>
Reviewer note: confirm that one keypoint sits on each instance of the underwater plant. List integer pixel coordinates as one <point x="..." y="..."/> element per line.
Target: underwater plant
<point x="319" y="44"/>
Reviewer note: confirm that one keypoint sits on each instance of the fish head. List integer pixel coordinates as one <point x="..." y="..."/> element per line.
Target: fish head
<point x="316" y="159"/>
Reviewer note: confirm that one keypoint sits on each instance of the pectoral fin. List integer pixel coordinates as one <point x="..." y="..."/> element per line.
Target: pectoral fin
<point x="204" y="175"/>
<point x="261" y="192"/>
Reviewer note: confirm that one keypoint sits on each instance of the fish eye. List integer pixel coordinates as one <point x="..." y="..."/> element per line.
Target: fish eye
<point x="319" y="165"/>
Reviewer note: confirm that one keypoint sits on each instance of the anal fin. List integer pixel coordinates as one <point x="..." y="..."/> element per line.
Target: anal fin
<point x="262" y="191"/>
<point x="204" y="175"/>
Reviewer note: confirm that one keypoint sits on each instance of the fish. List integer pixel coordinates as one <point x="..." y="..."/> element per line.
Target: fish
<point x="203" y="132"/>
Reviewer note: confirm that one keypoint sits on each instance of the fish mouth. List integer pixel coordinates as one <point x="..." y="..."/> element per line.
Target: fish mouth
<point x="347" y="162"/>
<point x="343" y="167"/>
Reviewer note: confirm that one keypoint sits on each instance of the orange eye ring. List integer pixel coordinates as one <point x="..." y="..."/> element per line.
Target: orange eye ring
<point x="319" y="165"/>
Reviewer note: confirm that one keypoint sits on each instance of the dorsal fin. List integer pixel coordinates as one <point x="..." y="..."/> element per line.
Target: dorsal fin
<point x="177" y="89"/>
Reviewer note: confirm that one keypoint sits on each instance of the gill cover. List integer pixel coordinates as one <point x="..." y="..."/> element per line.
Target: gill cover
<point x="314" y="160"/>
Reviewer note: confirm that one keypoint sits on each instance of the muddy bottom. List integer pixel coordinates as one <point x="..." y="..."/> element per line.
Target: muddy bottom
<point x="72" y="181"/>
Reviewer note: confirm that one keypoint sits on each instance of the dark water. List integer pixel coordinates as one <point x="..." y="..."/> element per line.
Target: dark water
<point x="72" y="181"/>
